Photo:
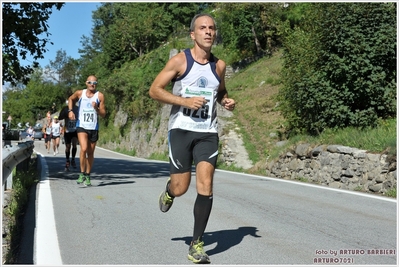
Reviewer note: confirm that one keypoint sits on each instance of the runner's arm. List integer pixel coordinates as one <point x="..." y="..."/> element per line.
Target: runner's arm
<point x="175" y="67"/>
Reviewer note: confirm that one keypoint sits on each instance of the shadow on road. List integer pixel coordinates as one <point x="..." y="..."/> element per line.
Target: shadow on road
<point x="109" y="172"/>
<point x="225" y="239"/>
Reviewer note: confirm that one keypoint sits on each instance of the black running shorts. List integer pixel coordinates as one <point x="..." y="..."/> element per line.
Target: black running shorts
<point x="92" y="135"/>
<point x="187" y="146"/>
<point x="48" y="138"/>
<point x="68" y="137"/>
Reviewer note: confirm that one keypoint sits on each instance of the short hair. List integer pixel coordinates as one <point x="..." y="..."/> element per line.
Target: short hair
<point x="192" y="24"/>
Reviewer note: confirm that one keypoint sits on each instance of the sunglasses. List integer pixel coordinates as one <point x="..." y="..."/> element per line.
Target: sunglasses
<point x="93" y="83"/>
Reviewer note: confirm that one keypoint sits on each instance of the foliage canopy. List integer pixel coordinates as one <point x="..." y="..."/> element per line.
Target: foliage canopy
<point x="23" y="23"/>
<point x="340" y="67"/>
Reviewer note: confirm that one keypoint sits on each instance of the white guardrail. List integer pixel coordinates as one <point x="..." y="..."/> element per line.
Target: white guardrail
<point x="12" y="156"/>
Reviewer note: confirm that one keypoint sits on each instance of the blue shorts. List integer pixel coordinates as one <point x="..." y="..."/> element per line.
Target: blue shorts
<point x="187" y="146"/>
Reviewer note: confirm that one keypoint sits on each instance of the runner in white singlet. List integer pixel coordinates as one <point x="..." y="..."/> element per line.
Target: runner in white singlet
<point x="198" y="84"/>
<point x="56" y="131"/>
<point x="91" y="105"/>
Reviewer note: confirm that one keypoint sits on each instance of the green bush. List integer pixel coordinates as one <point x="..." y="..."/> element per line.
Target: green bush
<point x="340" y="67"/>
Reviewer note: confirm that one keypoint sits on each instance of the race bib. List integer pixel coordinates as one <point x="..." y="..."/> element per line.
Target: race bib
<point x="56" y="131"/>
<point x="88" y="119"/>
<point x="71" y="126"/>
<point x="200" y="119"/>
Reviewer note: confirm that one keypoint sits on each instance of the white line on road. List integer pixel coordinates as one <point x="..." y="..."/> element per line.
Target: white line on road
<point x="47" y="251"/>
<point x="319" y="187"/>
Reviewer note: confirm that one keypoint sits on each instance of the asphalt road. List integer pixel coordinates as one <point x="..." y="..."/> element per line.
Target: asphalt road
<point x="254" y="221"/>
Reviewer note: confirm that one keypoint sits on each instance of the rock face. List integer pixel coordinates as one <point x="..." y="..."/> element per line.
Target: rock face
<point x="337" y="166"/>
<point x="144" y="137"/>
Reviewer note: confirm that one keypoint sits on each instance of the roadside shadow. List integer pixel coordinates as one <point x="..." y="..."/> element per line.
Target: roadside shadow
<point x="25" y="250"/>
<point x="27" y="238"/>
<point x="115" y="183"/>
<point x="224" y="239"/>
<point x="108" y="171"/>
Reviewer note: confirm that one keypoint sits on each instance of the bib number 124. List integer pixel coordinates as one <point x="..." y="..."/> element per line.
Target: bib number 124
<point x="88" y="117"/>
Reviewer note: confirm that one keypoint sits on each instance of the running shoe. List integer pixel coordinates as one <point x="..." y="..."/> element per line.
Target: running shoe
<point x="87" y="181"/>
<point x="73" y="163"/>
<point x="81" y="178"/>
<point x="165" y="201"/>
<point x="197" y="254"/>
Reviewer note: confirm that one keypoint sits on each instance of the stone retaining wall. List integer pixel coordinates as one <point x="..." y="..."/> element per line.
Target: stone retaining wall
<point x="338" y="167"/>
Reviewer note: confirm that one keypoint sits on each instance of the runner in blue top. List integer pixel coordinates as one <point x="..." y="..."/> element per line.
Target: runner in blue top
<point x="198" y="85"/>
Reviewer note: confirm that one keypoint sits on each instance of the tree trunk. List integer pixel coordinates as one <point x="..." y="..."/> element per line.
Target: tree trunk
<point x="257" y="43"/>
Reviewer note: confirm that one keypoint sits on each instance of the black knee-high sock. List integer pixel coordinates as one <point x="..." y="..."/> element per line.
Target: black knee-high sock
<point x="74" y="149"/>
<point x="202" y="210"/>
<point x="67" y="155"/>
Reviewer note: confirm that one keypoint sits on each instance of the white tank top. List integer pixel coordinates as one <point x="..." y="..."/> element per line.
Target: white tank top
<point x="56" y="129"/>
<point x="48" y="130"/>
<point x="197" y="80"/>
<point x="88" y="118"/>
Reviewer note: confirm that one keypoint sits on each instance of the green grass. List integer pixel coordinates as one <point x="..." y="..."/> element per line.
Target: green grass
<point x="159" y="156"/>
<point x="374" y="140"/>
<point x="302" y="179"/>
<point x="131" y="152"/>
<point x="232" y="167"/>
<point x="391" y="193"/>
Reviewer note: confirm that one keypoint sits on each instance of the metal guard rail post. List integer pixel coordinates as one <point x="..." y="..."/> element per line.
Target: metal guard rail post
<point x="12" y="156"/>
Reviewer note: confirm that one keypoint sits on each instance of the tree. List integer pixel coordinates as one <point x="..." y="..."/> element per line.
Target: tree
<point x="63" y="69"/>
<point x="128" y="30"/>
<point x="36" y="98"/>
<point x="340" y="67"/>
<point x="123" y="32"/>
<point x="248" y="27"/>
<point x="23" y="24"/>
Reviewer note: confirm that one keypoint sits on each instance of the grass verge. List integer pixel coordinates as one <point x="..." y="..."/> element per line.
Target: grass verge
<point x="14" y="209"/>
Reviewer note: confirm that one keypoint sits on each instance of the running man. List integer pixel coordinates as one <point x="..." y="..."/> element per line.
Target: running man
<point x="70" y="135"/>
<point x="198" y="83"/>
<point x="91" y="105"/>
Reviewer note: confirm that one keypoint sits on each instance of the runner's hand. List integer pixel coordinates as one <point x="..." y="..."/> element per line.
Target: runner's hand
<point x="195" y="103"/>
<point x="228" y="103"/>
